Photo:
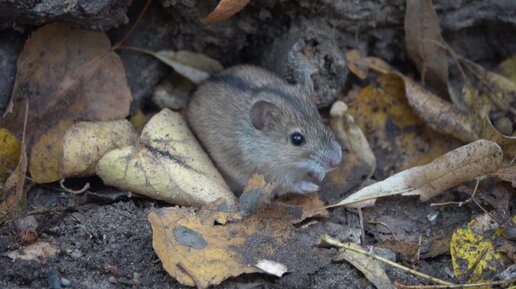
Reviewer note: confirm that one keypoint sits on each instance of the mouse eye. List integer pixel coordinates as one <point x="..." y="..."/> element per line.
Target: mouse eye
<point x="297" y="139"/>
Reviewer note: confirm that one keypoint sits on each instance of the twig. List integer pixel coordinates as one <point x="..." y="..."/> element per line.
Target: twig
<point x="470" y="270"/>
<point x="41" y="212"/>
<point x="362" y="230"/>
<point x="74" y="192"/>
<point x="460" y="204"/>
<point x="383" y="224"/>
<point x="336" y="243"/>
<point x="502" y="282"/>
<point x="135" y="24"/>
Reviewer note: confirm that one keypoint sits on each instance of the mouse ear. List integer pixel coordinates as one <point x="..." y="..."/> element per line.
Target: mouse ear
<point x="260" y="113"/>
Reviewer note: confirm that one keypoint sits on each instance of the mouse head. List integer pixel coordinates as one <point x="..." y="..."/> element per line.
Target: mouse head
<point x="291" y="133"/>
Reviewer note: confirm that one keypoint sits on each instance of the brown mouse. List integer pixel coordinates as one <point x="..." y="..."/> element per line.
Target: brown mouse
<point x="252" y="122"/>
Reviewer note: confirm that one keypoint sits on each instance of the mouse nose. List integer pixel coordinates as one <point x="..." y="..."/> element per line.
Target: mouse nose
<point x="334" y="158"/>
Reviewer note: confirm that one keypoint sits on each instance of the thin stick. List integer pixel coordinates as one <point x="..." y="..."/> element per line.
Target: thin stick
<point x="502" y="282"/>
<point x="41" y="212"/>
<point x="336" y="243"/>
<point x="362" y="230"/>
<point x="383" y="224"/>
<point x="135" y="24"/>
<point x="74" y="192"/>
<point x="460" y="204"/>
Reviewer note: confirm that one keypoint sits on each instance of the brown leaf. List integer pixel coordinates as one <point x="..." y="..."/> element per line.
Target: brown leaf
<point x="439" y="114"/>
<point x="67" y="74"/>
<point x="14" y="196"/>
<point x="422" y="38"/>
<point x="224" y="10"/>
<point x="507" y="174"/>
<point x="311" y="204"/>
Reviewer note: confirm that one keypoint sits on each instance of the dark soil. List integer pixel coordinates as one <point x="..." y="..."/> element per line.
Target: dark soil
<point x="109" y="245"/>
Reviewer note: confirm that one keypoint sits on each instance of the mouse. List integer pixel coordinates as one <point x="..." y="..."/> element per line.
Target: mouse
<point x="250" y="121"/>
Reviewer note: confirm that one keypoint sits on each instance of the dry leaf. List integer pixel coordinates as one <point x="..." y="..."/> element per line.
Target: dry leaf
<point x="224" y="10"/>
<point x="9" y="155"/>
<point x="39" y="251"/>
<point x="67" y="74"/>
<point x="86" y="142"/>
<point x="359" y="161"/>
<point x="462" y="164"/>
<point x="439" y="114"/>
<point x="271" y="267"/>
<point x="167" y="164"/>
<point x="196" y="67"/>
<point x="353" y="58"/>
<point x="500" y="90"/>
<point x="507" y="174"/>
<point x="47" y="154"/>
<point x="425" y="46"/>
<point x="14" y="195"/>
<point x="397" y="136"/>
<point x="482" y="124"/>
<point x="199" y="253"/>
<point x="310" y="203"/>
<point x="371" y="268"/>
<point x="471" y="246"/>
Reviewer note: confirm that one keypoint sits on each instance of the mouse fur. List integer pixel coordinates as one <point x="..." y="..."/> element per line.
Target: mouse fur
<point x="245" y="118"/>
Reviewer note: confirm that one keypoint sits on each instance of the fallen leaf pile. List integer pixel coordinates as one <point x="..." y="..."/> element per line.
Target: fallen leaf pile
<point x="167" y="163"/>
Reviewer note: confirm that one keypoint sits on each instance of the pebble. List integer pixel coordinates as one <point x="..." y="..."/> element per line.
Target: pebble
<point x="65" y="282"/>
<point x="53" y="280"/>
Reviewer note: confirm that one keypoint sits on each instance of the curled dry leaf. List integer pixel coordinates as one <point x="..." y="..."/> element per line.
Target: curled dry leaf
<point x="199" y="253"/>
<point x="481" y="107"/>
<point x="70" y="149"/>
<point x="507" y="174"/>
<point x="197" y="67"/>
<point x="167" y="164"/>
<point x="439" y="114"/>
<point x="86" y="142"/>
<point x="462" y="164"/>
<point x="360" y="64"/>
<point x="359" y="162"/>
<point x="224" y="10"/>
<point x="425" y="45"/>
<point x="67" y="74"/>
<point x="500" y="90"/>
<point x="371" y="268"/>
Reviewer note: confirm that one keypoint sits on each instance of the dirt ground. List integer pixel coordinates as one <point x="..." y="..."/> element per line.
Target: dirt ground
<point x="108" y="244"/>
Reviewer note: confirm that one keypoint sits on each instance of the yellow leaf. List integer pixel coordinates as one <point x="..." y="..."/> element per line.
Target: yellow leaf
<point x="167" y="164"/>
<point x="9" y="154"/>
<point x="86" y="142"/>
<point x="398" y="137"/>
<point x="470" y="247"/>
<point x="46" y="157"/>
<point x="197" y="252"/>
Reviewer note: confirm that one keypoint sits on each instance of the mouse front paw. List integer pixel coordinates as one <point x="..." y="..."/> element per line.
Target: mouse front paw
<point x="304" y="187"/>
